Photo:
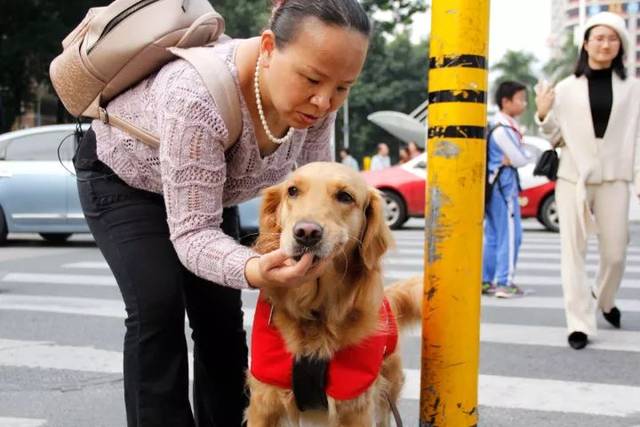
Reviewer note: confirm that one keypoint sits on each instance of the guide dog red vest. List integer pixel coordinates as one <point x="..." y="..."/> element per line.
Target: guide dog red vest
<point x="351" y="371"/>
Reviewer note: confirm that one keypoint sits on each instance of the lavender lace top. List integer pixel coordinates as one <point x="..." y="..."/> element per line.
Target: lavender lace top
<point x="191" y="168"/>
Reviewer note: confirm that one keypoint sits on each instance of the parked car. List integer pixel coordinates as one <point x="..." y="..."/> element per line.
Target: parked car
<point x="403" y="187"/>
<point x="38" y="192"/>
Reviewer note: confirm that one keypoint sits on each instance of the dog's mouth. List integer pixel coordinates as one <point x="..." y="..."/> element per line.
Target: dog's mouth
<point x="298" y="256"/>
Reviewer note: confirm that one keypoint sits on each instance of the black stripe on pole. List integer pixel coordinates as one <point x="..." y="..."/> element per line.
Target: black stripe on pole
<point x="466" y="61"/>
<point x="476" y="96"/>
<point x="468" y="132"/>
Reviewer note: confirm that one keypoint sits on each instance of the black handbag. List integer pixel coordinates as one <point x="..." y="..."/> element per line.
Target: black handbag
<point x="547" y="165"/>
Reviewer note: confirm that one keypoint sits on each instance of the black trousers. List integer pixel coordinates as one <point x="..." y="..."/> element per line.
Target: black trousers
<point x="130" y="228"/>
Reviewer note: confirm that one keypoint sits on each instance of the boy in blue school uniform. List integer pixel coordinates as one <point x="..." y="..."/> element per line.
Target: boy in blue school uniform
<point x="502" y="223"/>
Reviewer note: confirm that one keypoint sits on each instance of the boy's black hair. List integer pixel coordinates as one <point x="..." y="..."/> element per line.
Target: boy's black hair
<point x="582" y="65"/>
<point x="346" y="150"/>
<point x="508" y="89"/>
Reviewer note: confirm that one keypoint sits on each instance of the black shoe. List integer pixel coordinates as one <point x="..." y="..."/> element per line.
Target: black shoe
<point x="613" y="317"/>
<point x="577" y="340"/>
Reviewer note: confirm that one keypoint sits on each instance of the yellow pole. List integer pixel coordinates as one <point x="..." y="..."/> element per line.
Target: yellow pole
<point x="454" y="212"/>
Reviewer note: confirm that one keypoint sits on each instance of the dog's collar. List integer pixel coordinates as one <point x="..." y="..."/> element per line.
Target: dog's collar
<point x="350" y="372"/>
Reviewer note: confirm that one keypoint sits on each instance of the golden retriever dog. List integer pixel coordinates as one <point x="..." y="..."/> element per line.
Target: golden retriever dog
<point x="328" y="210"/>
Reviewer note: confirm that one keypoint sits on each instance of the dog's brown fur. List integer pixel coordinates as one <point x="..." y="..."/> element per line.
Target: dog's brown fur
<point x="342" y="307"/>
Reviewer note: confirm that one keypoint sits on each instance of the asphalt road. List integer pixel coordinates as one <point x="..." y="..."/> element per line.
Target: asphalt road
<point x="61" y="328"/>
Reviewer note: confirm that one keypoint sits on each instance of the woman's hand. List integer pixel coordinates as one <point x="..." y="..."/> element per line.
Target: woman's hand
<point x="276" y="270"/>
<point x="545" y="95"/>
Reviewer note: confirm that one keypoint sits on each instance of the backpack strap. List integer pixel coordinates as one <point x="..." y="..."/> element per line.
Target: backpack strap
<point x="219" y="82"/>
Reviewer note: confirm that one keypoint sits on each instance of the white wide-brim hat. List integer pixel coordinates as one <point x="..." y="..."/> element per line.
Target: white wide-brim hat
<point x="616" y="22"/>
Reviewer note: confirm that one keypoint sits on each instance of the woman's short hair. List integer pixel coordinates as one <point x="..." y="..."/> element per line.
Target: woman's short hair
<point x="288" y="14"/>
<point x="582" y="65"/>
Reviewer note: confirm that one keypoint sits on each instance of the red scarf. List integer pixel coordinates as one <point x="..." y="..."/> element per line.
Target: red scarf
<point x="351" y="371"/>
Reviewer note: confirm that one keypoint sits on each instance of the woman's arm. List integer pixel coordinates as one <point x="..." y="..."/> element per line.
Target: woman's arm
<point x="545" y="116"/>
<point x="193" y="170"/>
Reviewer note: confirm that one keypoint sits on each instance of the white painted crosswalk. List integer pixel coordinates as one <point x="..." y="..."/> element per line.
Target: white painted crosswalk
<point x="70" y="290"/>
<point x="21" y="422"/>
<point x="524" y="393"/>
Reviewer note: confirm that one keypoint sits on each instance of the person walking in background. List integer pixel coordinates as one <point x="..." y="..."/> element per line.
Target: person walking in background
<point x="502" y="223"/>
<point x="403" y="155"/>
<point x="381" y="160"/>
<point x="593" y="114"/>
<point x="347" y="159"/>
<point x="413" y="149"/>
<point x="165" y="219"/>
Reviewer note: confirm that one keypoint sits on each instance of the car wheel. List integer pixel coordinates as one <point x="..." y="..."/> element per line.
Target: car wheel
<point x="549" y="214"/>
<point x="3" y="227"/>
<point x="55" y="237"/>
<point x="395" y="213"/>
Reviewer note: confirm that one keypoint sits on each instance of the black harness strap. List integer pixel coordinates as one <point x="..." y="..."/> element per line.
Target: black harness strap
<point x="309" y="380"/>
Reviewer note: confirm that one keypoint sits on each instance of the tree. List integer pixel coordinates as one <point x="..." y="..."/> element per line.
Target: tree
<point x="30" y="36"/>
<point x="31" y="32"/>
<point x="563" y="64"/>
<point x="401" y="12"/>
<point x="518" y="66"/>
<point x="394" y="78"/>
<point x="243" y="18"/>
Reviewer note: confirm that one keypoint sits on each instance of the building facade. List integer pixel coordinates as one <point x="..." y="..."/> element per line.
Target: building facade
<point x="565" y="18"/>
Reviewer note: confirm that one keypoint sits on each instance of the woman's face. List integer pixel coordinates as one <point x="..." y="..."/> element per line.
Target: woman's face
<point x="602" y="46"/>
<point x="311" y="76"/>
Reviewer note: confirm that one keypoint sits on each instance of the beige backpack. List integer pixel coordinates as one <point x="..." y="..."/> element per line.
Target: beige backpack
<point x="116" y="46"/>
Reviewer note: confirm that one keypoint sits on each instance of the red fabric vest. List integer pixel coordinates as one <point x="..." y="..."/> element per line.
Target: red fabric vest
<point x="351" y="371"/>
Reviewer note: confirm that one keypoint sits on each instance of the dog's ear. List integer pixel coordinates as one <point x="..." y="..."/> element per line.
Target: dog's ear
<point x="269" y="237"/>
<point x="377" y="236"/>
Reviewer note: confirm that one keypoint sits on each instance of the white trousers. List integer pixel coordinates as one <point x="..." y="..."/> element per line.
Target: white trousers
<point x="609" y="203"/>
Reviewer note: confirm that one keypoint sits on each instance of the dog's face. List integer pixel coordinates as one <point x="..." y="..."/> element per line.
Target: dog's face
<point x="325" y="209"/>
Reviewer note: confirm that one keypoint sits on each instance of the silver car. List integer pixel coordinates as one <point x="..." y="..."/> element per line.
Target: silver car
<point x="38" y="192"/>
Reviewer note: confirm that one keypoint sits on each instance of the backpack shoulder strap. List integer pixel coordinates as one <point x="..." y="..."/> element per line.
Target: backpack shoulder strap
<point x="220" y="84"/>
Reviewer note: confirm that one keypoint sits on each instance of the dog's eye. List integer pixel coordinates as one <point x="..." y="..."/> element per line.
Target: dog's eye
<point x="344" y="197"/>
<point x="292" y="191"/>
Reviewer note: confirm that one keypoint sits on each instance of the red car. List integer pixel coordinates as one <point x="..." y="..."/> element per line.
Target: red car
<point x="404" y="190"/>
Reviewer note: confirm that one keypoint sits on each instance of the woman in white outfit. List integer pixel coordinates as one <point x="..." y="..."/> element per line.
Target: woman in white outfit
<point x="593" y="115"/>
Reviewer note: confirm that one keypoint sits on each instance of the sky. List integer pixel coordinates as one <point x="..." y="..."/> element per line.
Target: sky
<point x="523" y="25"/>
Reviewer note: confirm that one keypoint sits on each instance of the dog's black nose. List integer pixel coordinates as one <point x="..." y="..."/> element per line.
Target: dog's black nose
<point x="307" y="233"/>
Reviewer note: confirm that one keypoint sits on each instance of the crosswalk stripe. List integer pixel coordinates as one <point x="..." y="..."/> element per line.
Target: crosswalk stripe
<point x="547" y="336"/>
<point x="591" y="257"/>
<point x="494" y="391"/>
<point x="98" y="265"/>
<point x="593" y="247"/>
<point x="21" y="422"/>
<point x="63" y="305"/>
<point x="61" y="279"/>
<point x="532" y="255"/>
<point x="490" y="332"/>
<point x="530" y="280"/>
<point x="544" y="266"/>
<point x="47" y="355"/>
<point x="546" y="395"/>
<point x="630" y="305"/>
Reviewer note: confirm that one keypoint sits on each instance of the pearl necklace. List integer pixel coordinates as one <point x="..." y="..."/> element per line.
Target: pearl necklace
<point x="265" y="126"/>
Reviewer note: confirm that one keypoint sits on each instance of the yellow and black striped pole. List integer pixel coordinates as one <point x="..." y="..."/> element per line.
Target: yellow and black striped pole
<point x="454" y="212"/>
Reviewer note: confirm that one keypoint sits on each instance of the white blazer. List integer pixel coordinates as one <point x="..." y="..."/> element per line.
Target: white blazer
<point x="586" y="159"/>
